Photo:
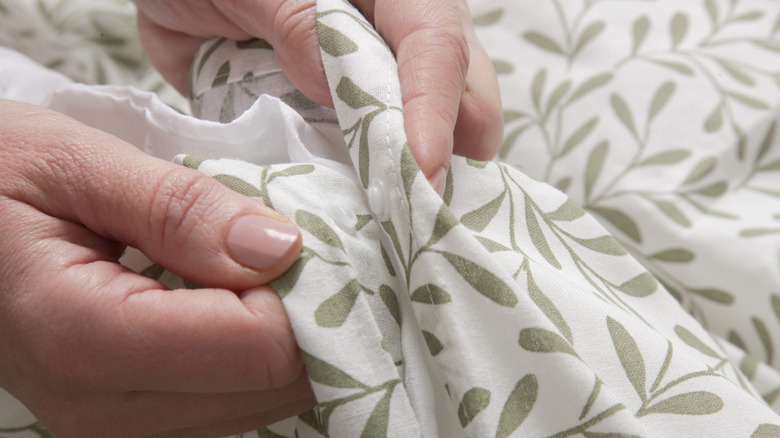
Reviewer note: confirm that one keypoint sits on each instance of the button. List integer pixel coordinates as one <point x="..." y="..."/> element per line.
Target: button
<point x="341" y="215"/>
<point x="379" y="199"/>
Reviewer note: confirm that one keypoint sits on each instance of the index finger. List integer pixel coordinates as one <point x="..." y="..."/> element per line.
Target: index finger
<point x="431" y="46"/>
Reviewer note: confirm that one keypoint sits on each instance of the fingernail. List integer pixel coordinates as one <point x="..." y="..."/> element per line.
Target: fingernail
<point x="438" y="180"/>
<point x="259" y="242"/>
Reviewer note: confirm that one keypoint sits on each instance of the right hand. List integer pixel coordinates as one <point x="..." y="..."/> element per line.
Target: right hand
<point x="93" y="349"/>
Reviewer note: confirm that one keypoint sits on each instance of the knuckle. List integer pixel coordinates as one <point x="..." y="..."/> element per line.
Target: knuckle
<point x="177" y="204"/>
<point x="295" y="21"/>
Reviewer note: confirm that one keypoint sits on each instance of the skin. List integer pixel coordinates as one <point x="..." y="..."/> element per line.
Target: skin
<point x="449" y="87"/>
<point x="88" y="345"/>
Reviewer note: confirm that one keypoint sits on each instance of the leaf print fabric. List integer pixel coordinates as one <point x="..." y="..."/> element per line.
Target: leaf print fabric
<point x="614" y="273"/>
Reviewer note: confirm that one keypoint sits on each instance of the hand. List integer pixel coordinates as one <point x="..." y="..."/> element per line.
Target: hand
<point x="449" y="88"/>
<point x="94" y="349"/>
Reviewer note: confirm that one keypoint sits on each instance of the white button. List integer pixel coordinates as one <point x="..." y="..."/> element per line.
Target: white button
<point x="379" y="199"/>
<point x="341" y="215"/>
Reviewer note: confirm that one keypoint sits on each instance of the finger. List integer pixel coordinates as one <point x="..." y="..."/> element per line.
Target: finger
<point x="433" y="58"/>
<point x="479" y="130"/>
<point x="291" y="28"/>
<point x="179" y="217"/>
<point x="170" y="52"/>
<point x="174" y="411"/>
<point x="124" y="329"/>
<point x="240" y="425"/>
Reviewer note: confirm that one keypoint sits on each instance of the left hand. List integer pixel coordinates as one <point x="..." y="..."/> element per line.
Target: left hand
<point x="449" y="87"/>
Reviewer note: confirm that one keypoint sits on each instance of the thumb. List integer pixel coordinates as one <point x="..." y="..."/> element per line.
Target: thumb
<point x="179" y="217"/>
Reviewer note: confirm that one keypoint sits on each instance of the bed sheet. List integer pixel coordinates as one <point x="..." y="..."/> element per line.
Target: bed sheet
<point x="506" y="309"/>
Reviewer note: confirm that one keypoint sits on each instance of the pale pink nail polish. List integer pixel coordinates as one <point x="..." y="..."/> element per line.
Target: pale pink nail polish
<point x="438" y="180"/>
<point x="259" y="242"/>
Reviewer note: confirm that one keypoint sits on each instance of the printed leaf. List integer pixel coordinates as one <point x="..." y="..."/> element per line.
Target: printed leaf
<point x="431" y="294"/>
<point x="590" y="33"/>
<point x="445" y="221"/>
<point x="222" y="75"/>
<point x="674" y="255"/>
<point x="568" y="211"/>
<point x="754" y="232"/>
<point x="322" y="372"/>
<point x="749" y="16"/>
<point x="558" y="94"/>
<point x="594" y="165"/>
<point x="543" y="42"/>
<point x="624" y="113"/>
<point x="335" y="310"/>
<point x="479" y="164"/>
<point x="641" y="26"/>
<point x="318" y="228"/>
<point x="192" y="162"/>
<point x="354" y="96"/>
<point x="678" y="28"/>
<point x="300" y="169"/>
<point x="629" y="355"/>
<point x="488" y="18"/>
<point x="449" y="188"/>
<point x="434" y="344"/>
<point x="563" y="184"/>
<point x="502" y="67"/>
<point x="480" y="217"/>
<point x="238" y="185"/>
<point x="409" y="170"/>
<point x="518" y="405"/>
<point x="736" y="73"/>
<point x="474" y="401"/>
<point x="603" y="244"/>
<point x="704" y="168"/>
<point x="285" y="284"/>
<point x="537" y="235"/>
<point x="668" y="157"/>
<point x="774" y="165"/>
<point x="539" y="340"/>
<point x="717" y="295"/>
<point x="388" y="263"/>
<point x="715" y="119"/>
<point x="747" y="100"/>
<point x="672" y="212"/>
<point x="766" y="339"/>
<point x="693" y="341"/>
<point x="153" y="271"/>
<point x="548" y="308"/>
<point x="334" y="42"/>
<point x="492" y="245"/>
<point x="642" y="285"/>
<point x="714" y="190"/>
<point x="537" y="88"/>
<point x="689" y="403"/>
<point x="482" y="280"/>
<point x="510" y="116"/>
<point x="621" y="221"/>
<point x="579" y="135"/>
<point x="712" y="11"/>
<point x="767" y="143"/>
<point x="661" y="98"/>
<point x="376" y="426"/>
<point x="391" y="302"/>
<point x="674" y="65"/>
<point x="776" y="305"/>
<point x="254" y="43"/>
<point x="590" y="85"/>
<point x="766" y="431"/>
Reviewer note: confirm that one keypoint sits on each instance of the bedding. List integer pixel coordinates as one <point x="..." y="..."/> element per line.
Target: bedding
<point x="616" y="272"/>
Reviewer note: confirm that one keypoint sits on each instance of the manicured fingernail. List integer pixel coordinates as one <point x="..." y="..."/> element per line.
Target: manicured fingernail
<point x="438" y="180"/>
<point x="259" y="242"/>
